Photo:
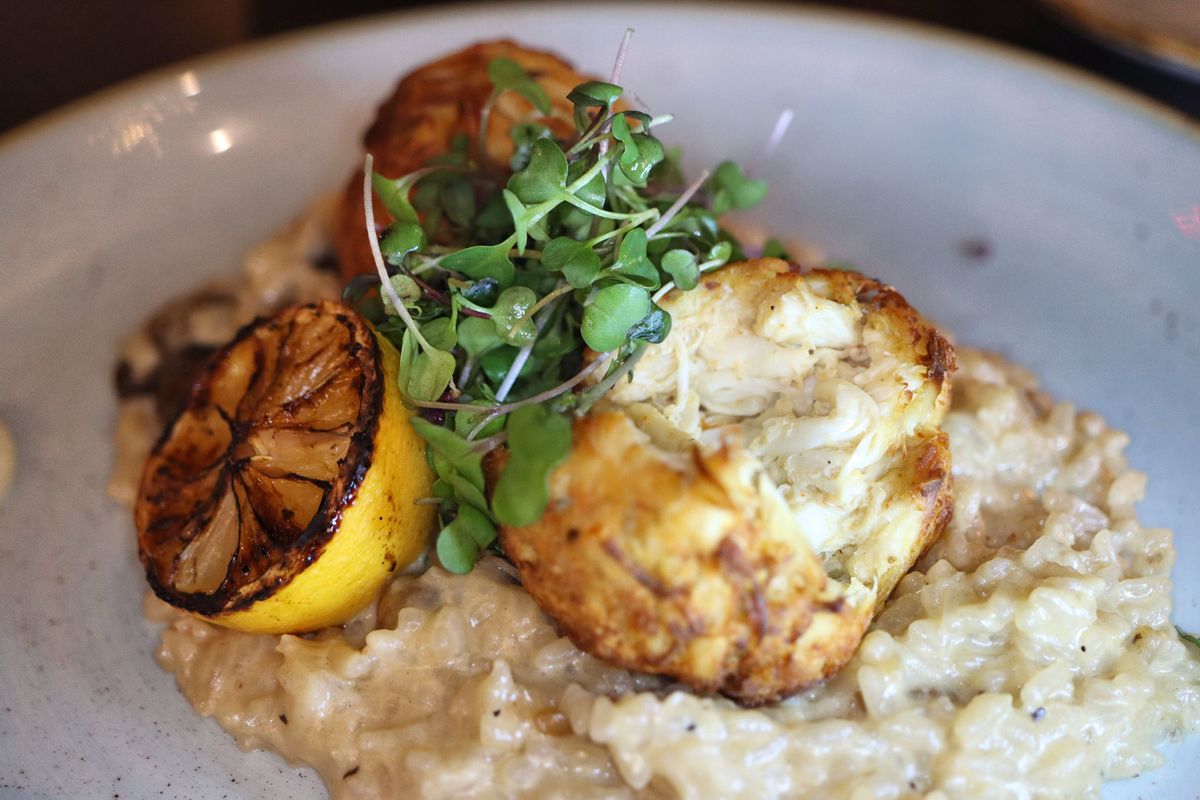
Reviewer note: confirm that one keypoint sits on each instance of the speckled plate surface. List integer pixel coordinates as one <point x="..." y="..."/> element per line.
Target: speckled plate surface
<point x="1029" y="210"/>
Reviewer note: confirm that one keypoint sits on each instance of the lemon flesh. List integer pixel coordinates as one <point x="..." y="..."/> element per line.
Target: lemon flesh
<point x="283" y="495"/>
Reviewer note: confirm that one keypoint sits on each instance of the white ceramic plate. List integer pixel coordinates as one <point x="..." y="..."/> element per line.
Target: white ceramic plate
<point x="909" y="145"/>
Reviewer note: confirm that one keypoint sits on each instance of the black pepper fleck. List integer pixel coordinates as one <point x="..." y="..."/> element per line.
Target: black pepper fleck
<point x="975" y="248"/>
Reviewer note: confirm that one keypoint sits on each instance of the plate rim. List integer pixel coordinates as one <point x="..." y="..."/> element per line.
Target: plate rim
<point x="912" y="30"/>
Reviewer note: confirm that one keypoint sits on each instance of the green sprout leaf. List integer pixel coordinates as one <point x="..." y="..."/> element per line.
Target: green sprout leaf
<point x="774" y="249"/>
<point x="430" y="374"/>
<point x="497" y="363"/>
<point x="620" y="129"/>
<point x="493" y="222"/>
<point x="394" y="194"/>
<point x="594" y="94"/>
<point x="557" y="340"/>
<point x="482" y="292"/>
<point x="578" y="262"/>
<point x="732" y="190"/>
<point x="460" y="543"/>
<point x="589" y="95"/>
<point x="670" y="170"/>
<point x="1187" y="637"/>
<point x="520" y="219"/>
<point x="507" y="75"/>
<point x="593" y="192"/>
<point x="458" y="452"/>
<point x="466" y="421"/>
<point x="615" y="309"/>
<point x="652" y="328"/>
<point x="649" y="154"/>
<point x="457" y="552"/>
<point x="477" y="336"/>
<point x="640" y="152"/>
<point x="696" y="223"/>
<point x="441" y="333"/>
<point x="406" y="289"/>
<point x="401" y="239"/>
<point x="719" y="253"/>
<point x="512" y="306"/>
<point x="524" y="136"/>
<point x="640" y="117"/>
<point x="544" y="177"/>
<point x="483" y="261"/>
<point x="632" y="265"/>
<point x="462" y="491"/>
<point x="538" y="441"/>
<point x="682" y="267"/>
<point x="458" y="198"/>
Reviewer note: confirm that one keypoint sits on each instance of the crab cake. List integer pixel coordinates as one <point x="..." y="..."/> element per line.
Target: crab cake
<point x="436" y="103"/>
<point x="735" y="514"/>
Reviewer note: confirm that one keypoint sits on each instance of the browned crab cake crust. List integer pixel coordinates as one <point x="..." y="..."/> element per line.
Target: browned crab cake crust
<point x="691" y="562"/>
<point x="429" y="108"/>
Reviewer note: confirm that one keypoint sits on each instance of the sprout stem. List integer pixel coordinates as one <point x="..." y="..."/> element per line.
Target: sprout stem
<point x="707" y="266"/>
<point x="618" y="65"/>
<point x="602" y="388"/>
<point x="777" y="133"/>
<point x="465" y="375"/>
<point x="485" y="114"/>
<point x="542" y="397"/>
<point x="634" y="222"/>
<point x="593" y="210"/>
<point x="428" y="501"/>
<point x="539" y="305"/>
<point x="679" y="203"/>
<point x="489" y="444"/>
<point x="514" y="371"/>
<point x="537" y="212"/>
<point x="385" y="282"/>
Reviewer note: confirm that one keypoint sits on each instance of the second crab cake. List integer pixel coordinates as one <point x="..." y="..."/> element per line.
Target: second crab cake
<point x="434" y="104"/>
<point x="734" y="515"/>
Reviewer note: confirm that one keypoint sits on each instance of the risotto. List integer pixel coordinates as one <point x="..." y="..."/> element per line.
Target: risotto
<point x="1029" y="654"/>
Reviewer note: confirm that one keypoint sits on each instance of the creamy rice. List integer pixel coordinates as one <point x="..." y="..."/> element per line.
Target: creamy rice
<point x="1029" y="654"/>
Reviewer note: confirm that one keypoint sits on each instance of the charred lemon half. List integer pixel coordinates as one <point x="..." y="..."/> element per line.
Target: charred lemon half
<point x="282" y="496"/>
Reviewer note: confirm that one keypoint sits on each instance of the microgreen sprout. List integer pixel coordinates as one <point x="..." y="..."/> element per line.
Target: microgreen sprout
<point x="518" y="300"/>
<point x="1187" y="637"/>
<point x="782" y="123"/>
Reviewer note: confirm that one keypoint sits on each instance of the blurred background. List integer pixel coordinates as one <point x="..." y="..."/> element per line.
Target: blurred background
<point x="54" y="51"/>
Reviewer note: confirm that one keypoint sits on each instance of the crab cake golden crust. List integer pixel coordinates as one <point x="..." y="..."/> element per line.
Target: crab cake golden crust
<point x="734" y="515"/>
<point x="689" y="566"/>
<point x="436" y="103"/>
